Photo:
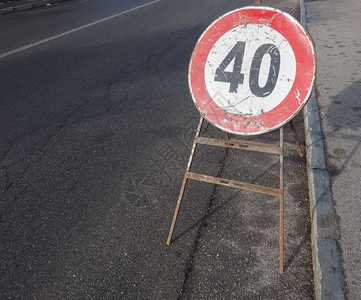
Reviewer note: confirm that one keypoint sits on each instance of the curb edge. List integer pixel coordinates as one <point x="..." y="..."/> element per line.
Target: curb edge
<point x="327" y="270"/>
<point x="22" y="7"/>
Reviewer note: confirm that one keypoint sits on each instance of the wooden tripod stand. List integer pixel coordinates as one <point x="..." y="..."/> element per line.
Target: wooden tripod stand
<point x="243" y="145"/>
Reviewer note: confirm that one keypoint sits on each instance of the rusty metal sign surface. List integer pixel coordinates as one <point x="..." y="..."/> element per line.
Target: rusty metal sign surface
<point x="252" y="70"/>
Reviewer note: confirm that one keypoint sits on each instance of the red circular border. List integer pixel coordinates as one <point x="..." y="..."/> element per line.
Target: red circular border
<point x="302" y="46"/>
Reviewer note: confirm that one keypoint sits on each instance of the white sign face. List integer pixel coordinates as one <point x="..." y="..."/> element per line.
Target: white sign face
<point x="274" y="62"/>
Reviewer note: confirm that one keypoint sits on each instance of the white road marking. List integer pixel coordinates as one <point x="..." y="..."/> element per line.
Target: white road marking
<point x="73" y="30"/>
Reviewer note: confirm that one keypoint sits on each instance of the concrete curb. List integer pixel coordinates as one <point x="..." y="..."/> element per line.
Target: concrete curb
<point x="325" y="255"/>
<point x="33" y="4"/>
<point x="7" y="10"/>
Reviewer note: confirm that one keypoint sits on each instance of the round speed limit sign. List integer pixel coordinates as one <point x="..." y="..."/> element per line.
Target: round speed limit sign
<point x="252" y="70"/>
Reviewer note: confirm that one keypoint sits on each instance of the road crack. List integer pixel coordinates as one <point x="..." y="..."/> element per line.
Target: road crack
<point x="190" y="262"/>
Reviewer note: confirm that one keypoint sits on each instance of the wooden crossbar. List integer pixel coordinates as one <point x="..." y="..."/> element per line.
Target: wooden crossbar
<point x="244" y="145"/>
<point x="235" y="184"/>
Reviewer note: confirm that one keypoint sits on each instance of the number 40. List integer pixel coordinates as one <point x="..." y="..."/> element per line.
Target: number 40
<point x="236" y="77"/>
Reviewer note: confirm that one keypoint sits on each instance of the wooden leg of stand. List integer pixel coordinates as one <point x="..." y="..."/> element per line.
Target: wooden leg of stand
<point x="227" y="137"/>
<point x="299" y="149"/>
<point x="281" y="200"/>
<point x="177" y="210"/>
<point x="184" y="183"/>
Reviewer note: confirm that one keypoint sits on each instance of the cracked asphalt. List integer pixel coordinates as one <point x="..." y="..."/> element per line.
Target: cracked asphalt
<point x="96" y="129"/>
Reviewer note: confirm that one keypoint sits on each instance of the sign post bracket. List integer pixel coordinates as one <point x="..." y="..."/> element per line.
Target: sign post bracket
<point x="243" y="145"/>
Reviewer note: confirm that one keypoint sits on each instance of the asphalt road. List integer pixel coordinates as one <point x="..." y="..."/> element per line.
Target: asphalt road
<point x="96" y="128"/>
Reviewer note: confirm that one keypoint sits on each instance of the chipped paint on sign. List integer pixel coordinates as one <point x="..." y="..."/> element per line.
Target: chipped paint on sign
<point x="252" y="70"/>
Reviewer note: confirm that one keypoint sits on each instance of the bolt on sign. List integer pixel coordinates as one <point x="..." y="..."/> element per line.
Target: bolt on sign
<point x="252" y="70"/>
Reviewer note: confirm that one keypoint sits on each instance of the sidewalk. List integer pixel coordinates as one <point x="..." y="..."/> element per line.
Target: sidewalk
<point x="335" y="27"/>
